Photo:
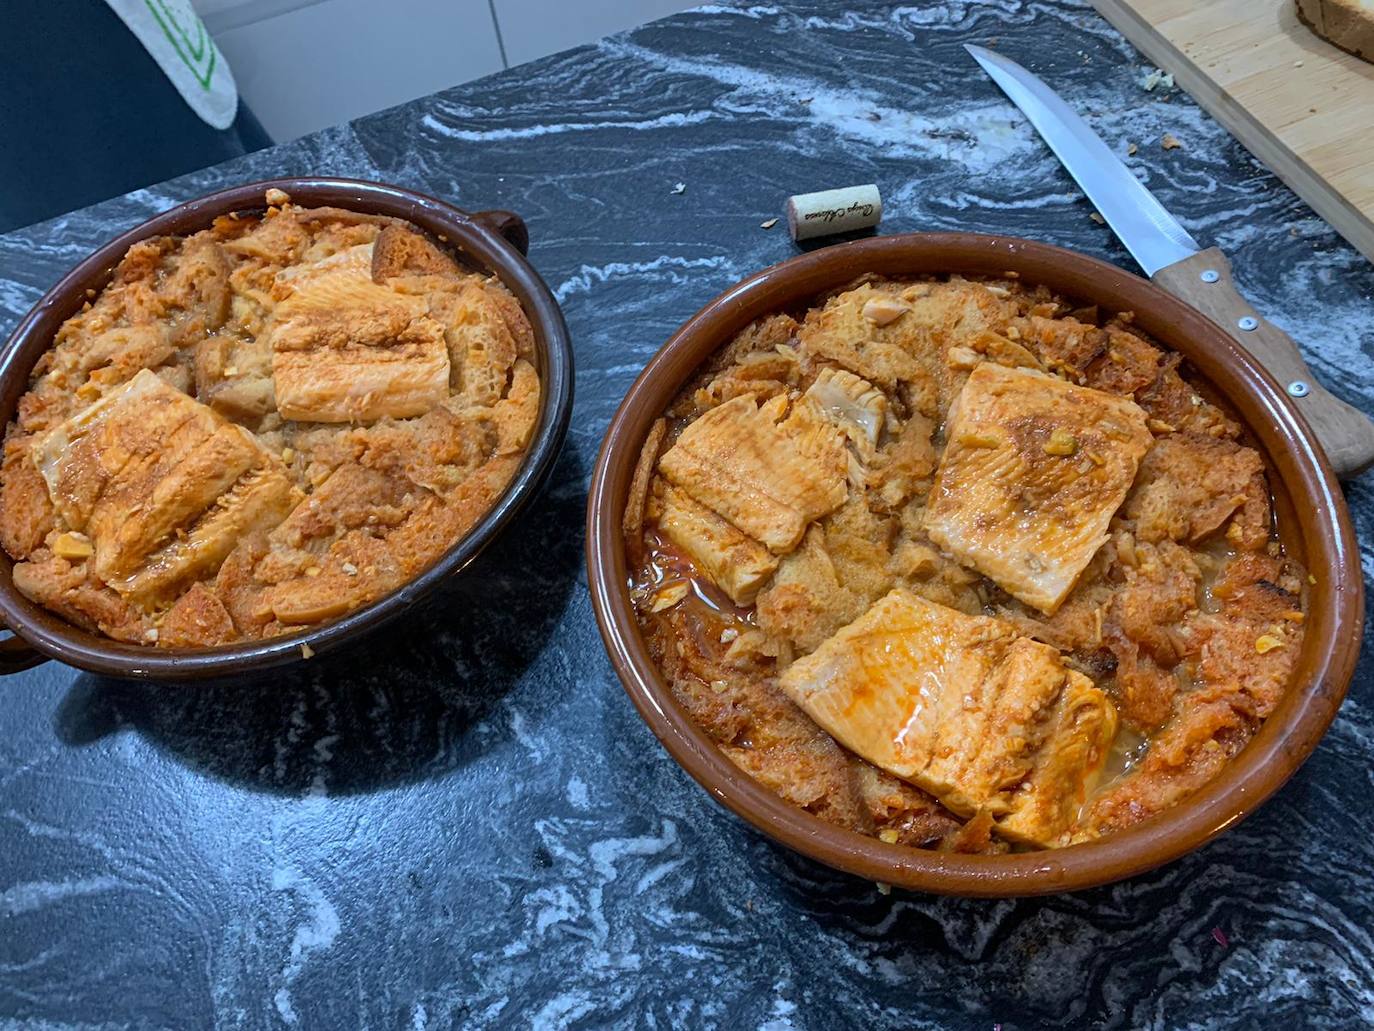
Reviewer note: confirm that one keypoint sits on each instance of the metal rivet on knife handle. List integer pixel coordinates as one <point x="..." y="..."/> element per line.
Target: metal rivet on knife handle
<point x="1248" y="323"/>
<point x="1210" y="275"/>
<point x="1299" y="389"/>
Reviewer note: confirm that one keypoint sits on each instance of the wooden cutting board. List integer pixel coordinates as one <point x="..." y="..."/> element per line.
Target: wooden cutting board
<point x="1301" y="106"/>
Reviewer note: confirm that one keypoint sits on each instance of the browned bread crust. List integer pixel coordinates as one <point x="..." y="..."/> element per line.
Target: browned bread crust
<point x="1349" y="24"/>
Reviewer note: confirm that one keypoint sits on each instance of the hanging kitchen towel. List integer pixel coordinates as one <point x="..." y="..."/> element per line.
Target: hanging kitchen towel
<point x="178" y="41"/>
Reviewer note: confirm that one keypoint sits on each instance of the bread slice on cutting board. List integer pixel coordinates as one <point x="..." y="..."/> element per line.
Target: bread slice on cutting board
<point x="1349" y="24"/>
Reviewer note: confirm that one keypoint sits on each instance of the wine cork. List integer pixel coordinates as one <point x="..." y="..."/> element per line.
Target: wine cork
<point x="834" y="211"/>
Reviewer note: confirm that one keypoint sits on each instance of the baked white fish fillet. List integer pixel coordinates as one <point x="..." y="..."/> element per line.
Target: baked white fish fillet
<point x="162" y="485"/>
<point x="739" y="565"/>
<point x="346" y="349"/>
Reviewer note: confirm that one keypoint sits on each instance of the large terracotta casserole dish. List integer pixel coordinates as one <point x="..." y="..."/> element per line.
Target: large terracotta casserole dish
<point x="1313" y="523"/>
<point x="492" y="241"/>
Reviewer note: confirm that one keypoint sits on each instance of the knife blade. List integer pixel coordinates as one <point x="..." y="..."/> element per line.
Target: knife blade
<point x="1150" y="233"/>
<point x="1174" y="260"/>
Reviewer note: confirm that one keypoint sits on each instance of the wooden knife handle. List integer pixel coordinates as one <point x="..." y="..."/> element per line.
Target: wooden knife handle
<point x="1204" y="281"/>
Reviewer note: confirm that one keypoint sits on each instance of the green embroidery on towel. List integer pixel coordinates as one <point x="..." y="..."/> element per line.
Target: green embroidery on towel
<point x="190" y="52"/>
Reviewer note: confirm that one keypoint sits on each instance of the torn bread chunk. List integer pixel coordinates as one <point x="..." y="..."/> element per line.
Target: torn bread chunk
<point x="737" y="564"/>
<point x="963" y="707"/>
<point x="767" y="472"/>
<point x="162" y="486"/>
<point x="1189" y="485"/>
<point x="400" y="250"/>
<point x="341" y="525"/>
<point x="346" y="349"/>
<point x="805" y="602"/>
<point x="1032" y="473"/>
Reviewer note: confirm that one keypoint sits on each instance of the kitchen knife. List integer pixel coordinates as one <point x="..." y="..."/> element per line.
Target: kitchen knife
<point x="1173" y="259"/>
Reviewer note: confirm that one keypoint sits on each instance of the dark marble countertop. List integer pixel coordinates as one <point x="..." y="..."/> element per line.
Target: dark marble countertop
<point x="463" y="822"/>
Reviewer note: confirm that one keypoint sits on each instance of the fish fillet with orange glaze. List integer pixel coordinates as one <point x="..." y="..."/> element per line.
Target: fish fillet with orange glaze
<point x="768" y="472"/>
<point x="1034" y="469"/>
<point x="963" y="707"/>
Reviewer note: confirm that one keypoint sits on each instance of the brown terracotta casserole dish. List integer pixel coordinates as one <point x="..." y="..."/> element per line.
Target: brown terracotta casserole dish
<point x="1313" y="524"/>
<point x="491" y="242"/>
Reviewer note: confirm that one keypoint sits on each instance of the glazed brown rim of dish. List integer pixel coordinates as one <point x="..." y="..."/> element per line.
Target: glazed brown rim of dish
<point x="1320" y="534"/>
<point x="494" y="241"/>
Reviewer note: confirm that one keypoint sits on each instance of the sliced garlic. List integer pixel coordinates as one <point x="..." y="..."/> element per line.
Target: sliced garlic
<point x="882" y="311"/>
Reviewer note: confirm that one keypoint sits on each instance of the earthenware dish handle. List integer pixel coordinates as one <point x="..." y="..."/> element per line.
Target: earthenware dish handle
<point x="16" y="655"/>
<point x="509" y="225"/>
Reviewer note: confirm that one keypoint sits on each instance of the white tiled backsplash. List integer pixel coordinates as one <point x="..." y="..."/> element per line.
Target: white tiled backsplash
<point x="302" y="65"/>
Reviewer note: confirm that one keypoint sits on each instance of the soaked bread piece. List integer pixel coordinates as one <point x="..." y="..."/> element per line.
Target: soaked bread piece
<point x="481" y="347"/>
<point x="639" y="486"/>
<point x="29" y="515"/>
<point x="1195" y="746"/>
<point x="398" y="252"/>
<point x="260" y="427"/>
<point x="806" y="602"/>
<point x="1189" y="485"/>
<point x="1146" y="628"/>
<point x="1242" y="661"/>
<point x="1019" y="587"/>
<point x="1251" y="644"/>
<point x="197" y="619"/>
<point x="897" y="335"/>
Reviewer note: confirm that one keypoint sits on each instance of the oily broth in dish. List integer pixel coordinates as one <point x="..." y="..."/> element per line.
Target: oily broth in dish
<point x="958" y="564"/>
<point x="262" y="426"/>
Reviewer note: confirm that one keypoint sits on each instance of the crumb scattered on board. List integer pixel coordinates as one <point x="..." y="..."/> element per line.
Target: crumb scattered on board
<point x="1098" y="218"/>
<point x="678" y="188"/>
<point x="1219" y="936"/>
<point x="1170" y="142"/>
<point x="1131" y="148"/>
<point x="306" y="651"/>
<point x="768" y="224"/>
<point x="1157" y="77"/>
